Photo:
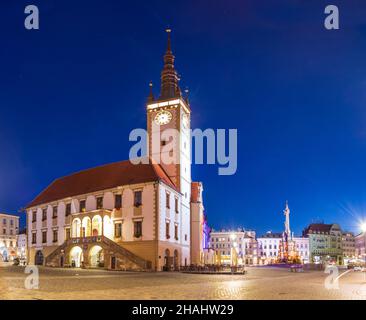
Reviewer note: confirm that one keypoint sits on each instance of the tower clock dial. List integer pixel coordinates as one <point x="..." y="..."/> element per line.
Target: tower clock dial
<point x="163" y="117"/>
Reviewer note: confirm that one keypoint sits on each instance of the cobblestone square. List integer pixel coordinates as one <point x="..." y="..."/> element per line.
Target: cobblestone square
<point x="258" y="283"/>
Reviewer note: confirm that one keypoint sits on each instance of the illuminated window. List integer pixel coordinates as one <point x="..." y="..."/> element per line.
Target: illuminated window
<point x="82" y="206"/>
<point x="118" y="230"/>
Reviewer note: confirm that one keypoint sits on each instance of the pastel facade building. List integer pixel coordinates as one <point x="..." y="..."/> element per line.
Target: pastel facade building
<point x="325" y="243"/>
<point x="269" y="246"/>
<point x="9" y="229"/>
<point x="240" y="245"/>
<point x="348" y="246"/>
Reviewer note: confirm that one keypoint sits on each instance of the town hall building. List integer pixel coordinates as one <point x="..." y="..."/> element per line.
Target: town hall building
<point x="127" y="215"/>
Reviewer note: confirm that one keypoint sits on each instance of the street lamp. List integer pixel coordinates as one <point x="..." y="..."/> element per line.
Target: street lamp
<point x="363" y="227"/>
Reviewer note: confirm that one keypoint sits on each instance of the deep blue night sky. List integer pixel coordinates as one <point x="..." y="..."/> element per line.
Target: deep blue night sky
<point x="71" y="92"/>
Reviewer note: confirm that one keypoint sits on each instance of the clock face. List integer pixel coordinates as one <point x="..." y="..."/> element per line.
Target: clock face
<point x="185" y="121"/>
<point x="163" y="117"/>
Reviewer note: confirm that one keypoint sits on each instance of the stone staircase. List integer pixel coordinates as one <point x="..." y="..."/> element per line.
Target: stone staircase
<point x="125" y="259"/>
<point x="53" y="259"/>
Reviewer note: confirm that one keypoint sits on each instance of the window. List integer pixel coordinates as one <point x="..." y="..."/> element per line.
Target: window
<point x="44" y="214"/>
<point x="82" y="206"/>
<point x="11" y="243"/>
<point x="11" y="222"/>
<point x="67" y="233"/>
<point x="176" y="232"/>
<point x="4" y="231"/>
<point x="176" y="205"/>
<point x="137" y="229"/>
<point x="167" y="197"/>
<point x="4" y="221"/>
<point x="54" y="212"/>
<point x="100" y="203"/>
<point x="44" y="236"/>
<point x="68" y="209"/>
<point x="138" y="198"/>
<point x="167" y="230"/>
<point x="11" y="232"/>
<point x="118" y="201"/>
<point x="185" y="237"/>
<point x="34" y="216"/>
<point x="55" y="236"/>
<point x="118" y="230"/>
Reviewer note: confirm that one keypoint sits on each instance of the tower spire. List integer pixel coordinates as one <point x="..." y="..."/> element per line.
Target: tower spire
<point x="169" y="76"/>
<point x="151" y="98"/>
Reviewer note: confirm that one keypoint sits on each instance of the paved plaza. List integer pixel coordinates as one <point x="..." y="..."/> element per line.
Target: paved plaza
<point x="258" y="283"/>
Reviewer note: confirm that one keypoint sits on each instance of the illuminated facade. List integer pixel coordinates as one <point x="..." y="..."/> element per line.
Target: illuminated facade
<point x="124" y="215"/>
<point x="8" y="236"/>
<point x="234" y="246"/>
<point x="325" y="243"/>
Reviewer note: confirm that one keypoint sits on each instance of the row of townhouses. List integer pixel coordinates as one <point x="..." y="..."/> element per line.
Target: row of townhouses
<point x="319" y="243"/>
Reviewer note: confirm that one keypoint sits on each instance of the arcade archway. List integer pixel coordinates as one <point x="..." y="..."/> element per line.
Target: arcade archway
<point x="96" y="257"/>
<point x="76" y="257"/>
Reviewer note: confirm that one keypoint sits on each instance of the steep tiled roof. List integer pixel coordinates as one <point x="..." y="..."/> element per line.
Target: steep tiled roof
<point x="318" y="227"/>
<point x="100" y="178"/>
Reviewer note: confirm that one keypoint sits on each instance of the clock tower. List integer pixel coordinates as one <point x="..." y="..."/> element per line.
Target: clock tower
<point x="168" y="126"/>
